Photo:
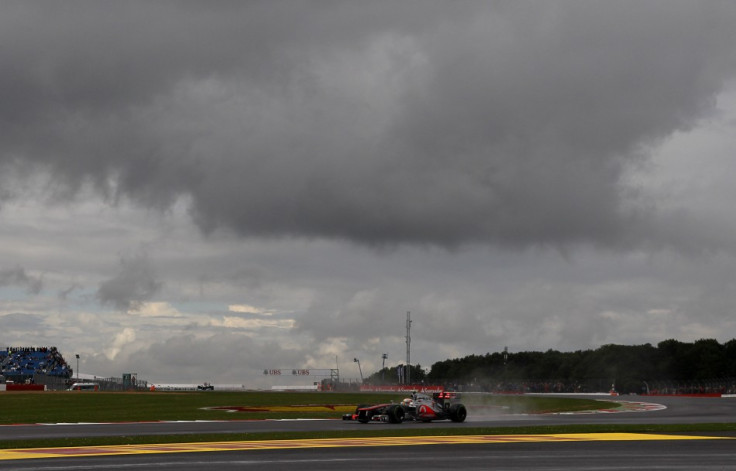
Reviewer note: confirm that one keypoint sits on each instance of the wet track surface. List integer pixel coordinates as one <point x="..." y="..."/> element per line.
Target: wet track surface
<point x="514" y="453"/>
<point x="679" y="410"/>
<point x="591" y="456"/>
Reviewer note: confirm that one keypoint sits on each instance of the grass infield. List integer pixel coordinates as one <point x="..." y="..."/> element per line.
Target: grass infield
<point x="76" y="406"/>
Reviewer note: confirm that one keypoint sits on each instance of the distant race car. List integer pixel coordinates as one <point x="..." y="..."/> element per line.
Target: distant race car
<point x="205" y="387"/>
<point x="418" y="407"/>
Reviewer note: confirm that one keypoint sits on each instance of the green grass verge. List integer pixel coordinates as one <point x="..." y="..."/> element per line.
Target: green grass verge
<point x="74" y="406"/>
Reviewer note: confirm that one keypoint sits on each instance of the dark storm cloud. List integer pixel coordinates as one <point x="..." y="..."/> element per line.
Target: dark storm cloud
<point x="18" y="277"/>
<point x="64" y="293"/>
<point x="135" y="283"/>
<point x="377" y="122"/>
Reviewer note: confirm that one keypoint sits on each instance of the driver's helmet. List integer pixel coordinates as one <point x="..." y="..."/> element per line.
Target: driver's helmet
<point x="407" y="401"/>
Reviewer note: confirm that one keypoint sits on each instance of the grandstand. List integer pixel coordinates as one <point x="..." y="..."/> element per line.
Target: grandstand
<point x="22" y="364"/>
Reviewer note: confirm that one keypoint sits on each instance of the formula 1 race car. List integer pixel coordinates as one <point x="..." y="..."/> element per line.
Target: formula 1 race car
<point x="419" y="407"/>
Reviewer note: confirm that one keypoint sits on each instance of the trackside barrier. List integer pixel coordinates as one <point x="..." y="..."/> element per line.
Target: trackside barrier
<point x="402" y="388"/>
<point x="309" y="387"/>
<point x="689" y="395"/>
<point x="25" y="387"/>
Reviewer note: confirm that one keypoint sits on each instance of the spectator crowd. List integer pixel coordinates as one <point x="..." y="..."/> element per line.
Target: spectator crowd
<point x="22" y="363"/>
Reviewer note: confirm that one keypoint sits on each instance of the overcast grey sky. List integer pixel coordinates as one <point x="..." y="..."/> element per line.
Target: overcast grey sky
<point x="198" y="191"/>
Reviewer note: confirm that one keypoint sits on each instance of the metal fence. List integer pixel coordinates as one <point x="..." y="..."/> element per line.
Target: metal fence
<point x="712" y="386"/>
<point x="56" y="383"/>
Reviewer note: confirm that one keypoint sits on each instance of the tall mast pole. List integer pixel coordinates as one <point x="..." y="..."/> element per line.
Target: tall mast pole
<point x="408" y="347"/>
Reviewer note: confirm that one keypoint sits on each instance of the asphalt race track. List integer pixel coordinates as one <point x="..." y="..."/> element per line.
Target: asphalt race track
<point x="679" y="410"/>
<point x="549" y="453"/>
<point x="591" y="456"/>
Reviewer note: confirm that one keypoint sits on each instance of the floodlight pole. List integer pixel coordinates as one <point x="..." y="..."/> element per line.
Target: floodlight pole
<point x="408" y="347"/>
<point x="77" y="355"/>
<point x="355" y="360"/>
<point x="383" y="367"/>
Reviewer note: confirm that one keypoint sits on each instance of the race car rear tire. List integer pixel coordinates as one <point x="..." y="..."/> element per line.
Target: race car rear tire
<point x="395" y="414"/>
<point x="458" y="413"/>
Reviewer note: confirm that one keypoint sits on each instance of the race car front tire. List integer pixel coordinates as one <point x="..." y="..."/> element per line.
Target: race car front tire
<point x="363" y="416"/>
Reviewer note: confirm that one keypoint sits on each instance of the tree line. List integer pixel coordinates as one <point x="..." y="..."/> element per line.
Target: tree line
<point x="631" y="368"/>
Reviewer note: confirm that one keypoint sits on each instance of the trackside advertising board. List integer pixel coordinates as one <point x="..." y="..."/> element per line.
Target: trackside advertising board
<point x="408" y="388"/>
